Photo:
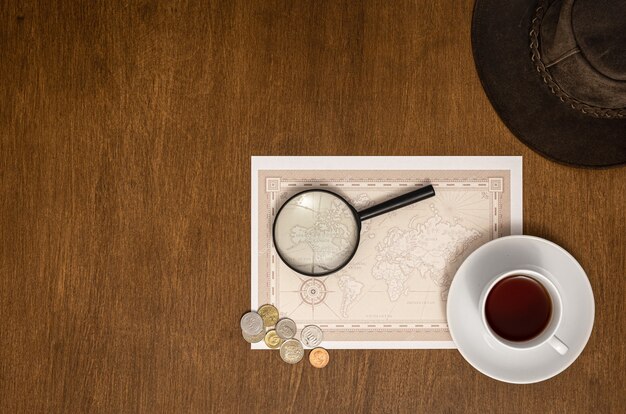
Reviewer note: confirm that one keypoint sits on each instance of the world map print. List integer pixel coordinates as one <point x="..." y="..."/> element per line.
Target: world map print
<point x="395" y="286"/>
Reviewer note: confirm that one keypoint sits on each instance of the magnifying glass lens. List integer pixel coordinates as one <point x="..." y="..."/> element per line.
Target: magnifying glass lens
<point x="316" y="232"/>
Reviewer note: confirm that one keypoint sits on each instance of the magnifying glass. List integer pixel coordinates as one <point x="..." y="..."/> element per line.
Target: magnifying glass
<point x="316" y="232"/>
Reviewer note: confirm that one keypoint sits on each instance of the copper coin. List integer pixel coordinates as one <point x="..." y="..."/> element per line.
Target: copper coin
<point x="272" y="340"/>
<point x="319" y="357"/>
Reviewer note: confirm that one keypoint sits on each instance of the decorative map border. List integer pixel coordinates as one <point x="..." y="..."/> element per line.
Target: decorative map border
<point x="275" y="186"/>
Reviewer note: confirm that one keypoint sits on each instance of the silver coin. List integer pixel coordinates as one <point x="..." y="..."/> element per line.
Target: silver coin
<point x="286" y="328"/>
<point x="253" y="338"/>
<point x="291" y="351"/>
<point x="252" y="323"/>
<point x="311" y="336"/>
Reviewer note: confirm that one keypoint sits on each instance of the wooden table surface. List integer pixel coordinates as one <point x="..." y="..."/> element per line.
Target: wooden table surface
<point x="126" y="134"/>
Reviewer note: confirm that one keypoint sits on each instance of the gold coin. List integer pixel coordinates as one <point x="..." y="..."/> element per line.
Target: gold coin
<point x="272" y="340"/>
<point x="319" y="357"/>
<point x="269" y="313"/>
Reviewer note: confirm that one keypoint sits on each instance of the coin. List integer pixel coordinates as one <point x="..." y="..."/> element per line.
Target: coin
<point x="311" y="336"/>
<point x="253" y="338"/>
<point x="252" y="323"/>
<point x="286" y="328"/>
<point x="272" y="340"/>
<point x="269" y="313"/>
<point x="291" y="351"/>
<point x="319" y="357"/>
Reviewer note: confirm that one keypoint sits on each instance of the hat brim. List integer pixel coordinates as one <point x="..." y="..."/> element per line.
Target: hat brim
<point x="501" y="48"/>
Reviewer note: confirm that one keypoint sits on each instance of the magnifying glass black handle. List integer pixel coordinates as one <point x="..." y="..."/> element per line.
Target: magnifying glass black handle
<point x="398" y="202"/>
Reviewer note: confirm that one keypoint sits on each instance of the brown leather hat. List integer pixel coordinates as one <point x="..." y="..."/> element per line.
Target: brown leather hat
<point x="555" y="72"/>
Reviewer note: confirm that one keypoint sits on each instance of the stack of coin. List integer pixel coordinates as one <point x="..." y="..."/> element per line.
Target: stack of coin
<point x="254" y="328"/>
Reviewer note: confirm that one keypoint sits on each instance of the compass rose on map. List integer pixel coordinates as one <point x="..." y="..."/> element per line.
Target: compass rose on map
<point x="313" y="291"/>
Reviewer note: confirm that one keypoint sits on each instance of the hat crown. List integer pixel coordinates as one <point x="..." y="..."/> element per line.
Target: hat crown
<point x="583" y="49"/>
<point x="599" y="27"/>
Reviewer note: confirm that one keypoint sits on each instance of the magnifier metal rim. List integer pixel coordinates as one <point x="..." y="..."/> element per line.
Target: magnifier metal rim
<point x="358" y="236"/>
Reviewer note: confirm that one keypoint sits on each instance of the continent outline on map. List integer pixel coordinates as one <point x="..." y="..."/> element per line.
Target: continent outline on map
<point x="397" y="267"/>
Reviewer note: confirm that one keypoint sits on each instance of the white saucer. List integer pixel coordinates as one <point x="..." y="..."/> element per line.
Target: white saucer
<point x="479" y="348"/>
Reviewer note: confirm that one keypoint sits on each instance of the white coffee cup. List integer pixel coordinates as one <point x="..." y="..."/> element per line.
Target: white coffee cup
<point x="549" y="333"/>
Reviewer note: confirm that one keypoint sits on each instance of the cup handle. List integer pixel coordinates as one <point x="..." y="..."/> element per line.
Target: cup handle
<point x="558" y="345"/>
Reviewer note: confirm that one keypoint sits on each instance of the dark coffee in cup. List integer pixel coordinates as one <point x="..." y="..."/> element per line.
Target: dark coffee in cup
<point x="518" y="308"/>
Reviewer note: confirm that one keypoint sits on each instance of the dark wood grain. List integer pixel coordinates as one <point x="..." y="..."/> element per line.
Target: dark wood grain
<point x="126" y="134"/>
